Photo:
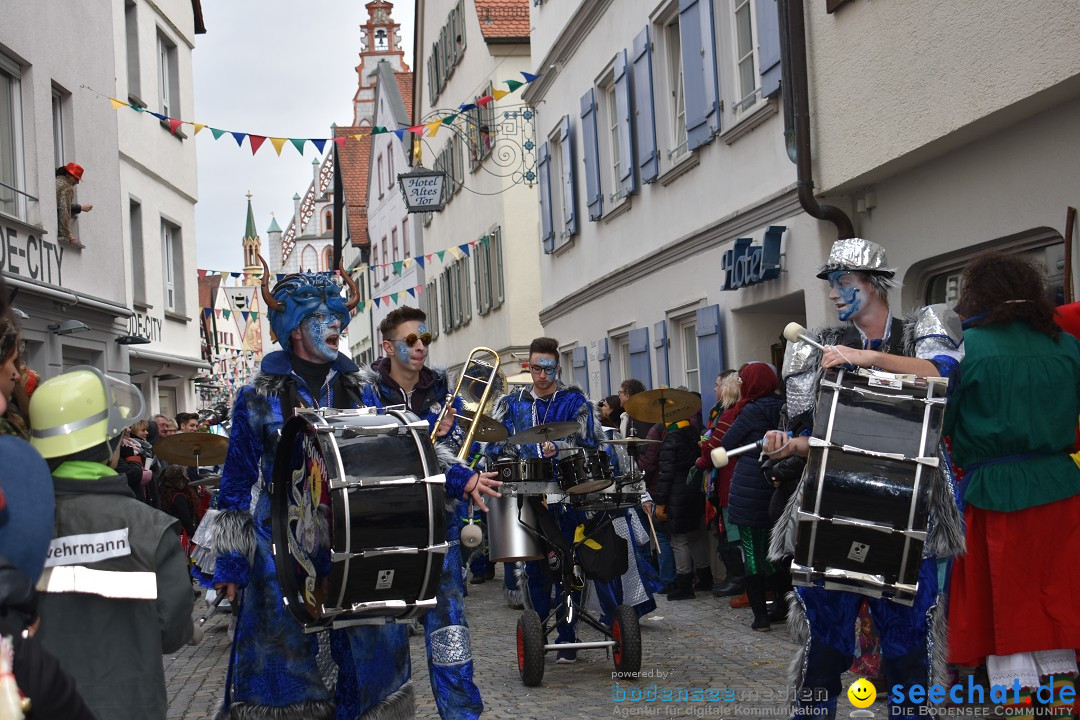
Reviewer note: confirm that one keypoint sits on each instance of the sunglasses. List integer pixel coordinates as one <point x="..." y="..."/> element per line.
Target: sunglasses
<point x="411" y="339"/>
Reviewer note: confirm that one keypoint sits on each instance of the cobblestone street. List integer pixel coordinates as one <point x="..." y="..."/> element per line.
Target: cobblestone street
<point x="700" y="643"/>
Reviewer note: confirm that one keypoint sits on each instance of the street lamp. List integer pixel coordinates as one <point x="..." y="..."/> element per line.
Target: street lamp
<point x="423" y="189"/>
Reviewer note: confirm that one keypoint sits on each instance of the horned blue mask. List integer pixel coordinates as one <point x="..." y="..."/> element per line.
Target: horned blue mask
<point x="299" y="295"/>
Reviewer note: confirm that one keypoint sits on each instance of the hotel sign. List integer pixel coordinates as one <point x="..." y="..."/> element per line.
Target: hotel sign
<point x="745" y="264"/>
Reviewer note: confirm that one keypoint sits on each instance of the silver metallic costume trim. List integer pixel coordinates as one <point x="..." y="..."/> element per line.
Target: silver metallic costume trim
<point x="856" y="254"/>
<point x="450" y="645"/>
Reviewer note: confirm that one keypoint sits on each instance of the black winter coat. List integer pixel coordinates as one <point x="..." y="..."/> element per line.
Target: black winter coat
<point x="685" y="502"/>
<point x="748" y="503"/>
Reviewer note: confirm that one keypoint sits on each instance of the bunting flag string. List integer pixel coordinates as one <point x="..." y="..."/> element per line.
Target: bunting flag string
<point x="255" y="141"/>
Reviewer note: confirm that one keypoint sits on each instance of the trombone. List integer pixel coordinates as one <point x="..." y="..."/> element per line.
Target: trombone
<point x="482" y="382"/>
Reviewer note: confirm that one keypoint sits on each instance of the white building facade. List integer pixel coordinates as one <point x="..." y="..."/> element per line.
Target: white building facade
<point x="158" y="192"/>
<point x="674" y="245"/>
<point x="947" y="129"/>
<point x="55" y="85"/>
<point x="394" y="232"/>
<point x="465" y="51"/>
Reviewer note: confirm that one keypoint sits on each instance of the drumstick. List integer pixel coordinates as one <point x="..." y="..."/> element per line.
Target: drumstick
<point x="720" y="456"/>
<point x="213" y="608"/>
<point x="652" y="528"/>
<point x="795" y="332"/>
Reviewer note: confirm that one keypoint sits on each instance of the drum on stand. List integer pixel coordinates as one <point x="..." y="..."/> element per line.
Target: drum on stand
<point x="358" y="517"/>
<point x="865" y="494"/>
<point x="624" y="492"/>
<point x="584" y="471"/>
<point x="510" y="516"/>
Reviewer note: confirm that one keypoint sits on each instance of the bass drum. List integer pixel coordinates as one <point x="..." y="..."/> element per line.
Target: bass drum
<point x="358" y="517"/>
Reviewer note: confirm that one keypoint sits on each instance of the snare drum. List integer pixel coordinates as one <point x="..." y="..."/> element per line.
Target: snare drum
<point x="358" y="517"/>
<point x="525" y="470"/>
<point x="585" y="471"/>
<point x="865" y="494"/>
<point x="624" y="492"/>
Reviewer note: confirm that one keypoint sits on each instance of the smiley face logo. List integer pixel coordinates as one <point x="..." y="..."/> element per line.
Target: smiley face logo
<point x="862" y="693"/>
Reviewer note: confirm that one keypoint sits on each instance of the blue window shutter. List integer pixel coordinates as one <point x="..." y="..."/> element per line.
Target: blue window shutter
<point x="700" y="79"/>
<point x="640" y="366"/>
<point x="644" y="112"/>
<point x="543" y="171"/>
<point x="660" y="343"/>
<point x="581" y="368"/>
<point x="604" y="358"/>
<point x="627" y="181"/>
<point x="569" y="194"/>
<point x="710" y="340"/>
<point x="590" y="149"/>
<point x="768" y="33"/>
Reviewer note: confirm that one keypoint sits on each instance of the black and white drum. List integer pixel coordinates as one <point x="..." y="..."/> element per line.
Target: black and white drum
<point x="358" y="515"/>
<point x="865" y="493"/>
<point x="584" y="470"/>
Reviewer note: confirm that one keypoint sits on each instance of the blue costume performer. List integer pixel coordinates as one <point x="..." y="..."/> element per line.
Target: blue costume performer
<point x="275" y="669"/>
<point x="929" y="343"/>
<point x="401" y="378"/>
<point x="547" y="401"/>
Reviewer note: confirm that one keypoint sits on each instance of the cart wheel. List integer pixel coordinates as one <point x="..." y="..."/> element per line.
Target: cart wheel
<point x="530" y="648"/>
<point x="627" y="636"/>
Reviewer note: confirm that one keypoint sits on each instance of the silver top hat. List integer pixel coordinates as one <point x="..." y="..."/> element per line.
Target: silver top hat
<point x="859" y="255"/>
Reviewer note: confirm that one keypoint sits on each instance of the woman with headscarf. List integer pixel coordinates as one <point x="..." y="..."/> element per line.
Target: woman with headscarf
<point x="718" y="484"/>
<point x="1011" y="418"/>
<point x="757" y="412"/>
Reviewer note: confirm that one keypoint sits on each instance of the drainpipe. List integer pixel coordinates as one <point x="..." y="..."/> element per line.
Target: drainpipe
<point x="793" y="57"/>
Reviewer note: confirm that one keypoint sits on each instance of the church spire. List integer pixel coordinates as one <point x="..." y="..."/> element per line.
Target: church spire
<point x="380" y="41"/>
<point x="252" y="247"/>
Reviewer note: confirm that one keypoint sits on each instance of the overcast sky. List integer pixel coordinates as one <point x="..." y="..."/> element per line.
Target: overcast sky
<point x="276" y="68"/>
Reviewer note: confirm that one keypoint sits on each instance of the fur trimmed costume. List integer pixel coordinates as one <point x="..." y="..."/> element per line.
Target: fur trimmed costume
<point x="274" y="667"/>
<point x="449" y="651"/>
<point x="520" y="410"/>
<point x="822" y="621"/>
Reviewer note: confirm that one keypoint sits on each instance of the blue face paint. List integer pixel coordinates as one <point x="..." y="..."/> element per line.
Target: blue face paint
<point x="320" y="326"/>
<point x="850" y="295"/>
<point x="403" y="351"/>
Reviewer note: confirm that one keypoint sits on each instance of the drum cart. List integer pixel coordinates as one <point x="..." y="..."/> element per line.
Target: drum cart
<point x="533" y="633"/>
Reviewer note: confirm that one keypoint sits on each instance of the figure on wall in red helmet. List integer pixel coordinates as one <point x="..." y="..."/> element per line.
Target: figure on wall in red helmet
<point x="67" y="177"/>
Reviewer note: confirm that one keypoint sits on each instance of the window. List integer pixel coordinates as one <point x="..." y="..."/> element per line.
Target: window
<point x="385" y="259"/>
<point x="688" y="343"/>
<point x="131" y="37"/>
<point x="622" y="346"/>
<point x="456" y="295"/>
<point x="309" y="259"/>
<point x="558" y="182"/>
<point x="611" y="122"/>
<point x="380" y="174"/>
<point x="328" y="259"/>
<point x="405" y="237"/>
<point x="944" y="287"/>
<point x="172" y="264"/>
<point x="746" y="65"/>
<point x="138" y="253"/>
<point x="566" y="363"/>
<point x="390" y="168"/>
<point x="60" y="110"/>
<point x="11" y="140"/>
<point x="431" y="307"/>
<point x="487" y="261"/>
<point x="449" y="160"/>
<point x="447" y="51"/>
<point x="328" y="221"/>
<point x="394" y="245"/>
<point x="676" y="87"/>
<point x="481" y="130"/>
<point x="375" y="266"/>
<point x="168" y="78"/>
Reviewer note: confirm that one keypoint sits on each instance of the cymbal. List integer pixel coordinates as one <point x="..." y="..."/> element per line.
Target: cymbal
<point x="489" y="429"/>
<point x="544" y="433"/>
<point x="662" y="405"/>
<point x="192" y="449"/>
<point x="629" y="441"/>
